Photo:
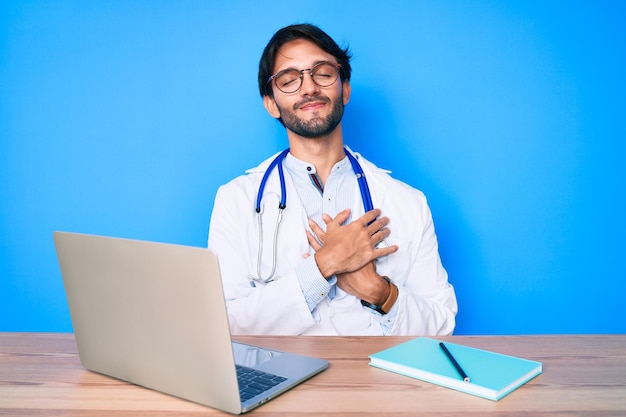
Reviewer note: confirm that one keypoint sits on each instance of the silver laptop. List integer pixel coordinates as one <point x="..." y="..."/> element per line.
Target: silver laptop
<point x="154" y="314"/>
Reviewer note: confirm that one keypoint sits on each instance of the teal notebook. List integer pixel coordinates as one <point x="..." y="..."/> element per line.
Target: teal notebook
<point x="492" y="375"/>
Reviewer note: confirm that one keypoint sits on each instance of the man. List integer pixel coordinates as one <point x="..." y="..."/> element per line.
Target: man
<point x="322" y="262"/>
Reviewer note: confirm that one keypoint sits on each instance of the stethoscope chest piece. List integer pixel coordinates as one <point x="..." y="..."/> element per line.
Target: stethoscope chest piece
<point x="381" y="245"/>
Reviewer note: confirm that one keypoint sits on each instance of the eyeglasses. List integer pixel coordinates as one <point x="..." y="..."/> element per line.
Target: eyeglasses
<point x="289" y="80"/>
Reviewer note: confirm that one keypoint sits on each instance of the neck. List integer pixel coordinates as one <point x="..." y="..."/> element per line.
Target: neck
<point x="323" y="152"/>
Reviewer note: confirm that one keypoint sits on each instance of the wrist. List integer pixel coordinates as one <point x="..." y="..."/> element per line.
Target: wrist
<point x="391" y="299"/>
<point x="388" y="303"/>
<point x="325" y="265"/>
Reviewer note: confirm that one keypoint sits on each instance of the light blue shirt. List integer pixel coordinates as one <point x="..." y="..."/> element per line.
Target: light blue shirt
<point x="331" y="198"/>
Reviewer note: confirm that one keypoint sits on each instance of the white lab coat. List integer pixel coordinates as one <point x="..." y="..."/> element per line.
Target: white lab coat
<point x="426" y="302"/>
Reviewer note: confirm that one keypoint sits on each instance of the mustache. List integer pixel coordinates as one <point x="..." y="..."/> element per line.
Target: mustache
<point x="311" y="100"/>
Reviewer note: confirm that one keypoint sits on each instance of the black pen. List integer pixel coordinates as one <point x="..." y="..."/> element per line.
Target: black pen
<point x="454" y="362"/>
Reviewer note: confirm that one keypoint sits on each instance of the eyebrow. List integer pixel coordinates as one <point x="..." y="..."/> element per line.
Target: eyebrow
<point x="320" y="61"/>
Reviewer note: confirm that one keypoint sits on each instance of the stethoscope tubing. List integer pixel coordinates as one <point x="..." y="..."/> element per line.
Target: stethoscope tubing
<point x="368" y="205"/>
<point x="283" y="192"/>
<point x="366" y="197"/>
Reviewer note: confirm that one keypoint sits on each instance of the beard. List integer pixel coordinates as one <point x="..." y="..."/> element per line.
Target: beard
<point x="317" y="126"/>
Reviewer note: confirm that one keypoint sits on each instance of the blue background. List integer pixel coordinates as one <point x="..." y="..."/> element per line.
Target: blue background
<point x="123" y="117"/>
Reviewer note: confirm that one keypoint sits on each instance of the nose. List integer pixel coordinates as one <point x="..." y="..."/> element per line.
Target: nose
<point x="308" y="85"/>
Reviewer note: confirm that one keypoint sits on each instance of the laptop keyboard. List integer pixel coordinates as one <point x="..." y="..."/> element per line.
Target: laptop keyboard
<point x="253" y="382"/>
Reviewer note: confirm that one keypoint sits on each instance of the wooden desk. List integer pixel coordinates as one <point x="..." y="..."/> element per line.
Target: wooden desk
<point x="40" y="375"/>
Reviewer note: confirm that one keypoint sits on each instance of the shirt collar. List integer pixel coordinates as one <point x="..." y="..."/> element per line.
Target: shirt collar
<point x="299" y="167"/>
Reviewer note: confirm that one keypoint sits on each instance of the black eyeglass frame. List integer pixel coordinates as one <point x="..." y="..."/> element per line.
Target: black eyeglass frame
<point x="301" y="72"/>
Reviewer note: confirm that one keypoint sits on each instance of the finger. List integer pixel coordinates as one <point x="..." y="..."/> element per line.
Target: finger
<point x="384" y="251"/>
<point x="380" y="235"/>
<point x="316" y="228"/>
<point x="342" y="216"/>
<point x="315" y="244"/>
<point x="370" y="216"/>
<point x="378" y="224"/>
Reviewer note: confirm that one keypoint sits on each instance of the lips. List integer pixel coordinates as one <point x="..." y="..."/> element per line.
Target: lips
<point x="312" y="103"/>
<point x="313" y="106"/>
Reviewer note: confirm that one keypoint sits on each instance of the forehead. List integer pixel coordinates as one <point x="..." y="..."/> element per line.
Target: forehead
<point x="300" y="54"/>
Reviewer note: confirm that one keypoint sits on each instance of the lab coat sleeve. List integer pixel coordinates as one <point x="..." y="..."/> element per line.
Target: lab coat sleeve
<point x="277" y="308"/>
<point x="426" y="301"/>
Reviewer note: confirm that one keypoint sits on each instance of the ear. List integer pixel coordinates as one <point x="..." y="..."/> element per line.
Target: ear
<point x="347" y="89"/>
<point x="271" y="107"/>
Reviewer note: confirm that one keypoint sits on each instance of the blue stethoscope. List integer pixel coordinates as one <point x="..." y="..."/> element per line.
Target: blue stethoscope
<point x="278" y="163"/>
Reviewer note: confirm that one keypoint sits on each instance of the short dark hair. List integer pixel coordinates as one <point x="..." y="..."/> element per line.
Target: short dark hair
<point x="294" y="32"/>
